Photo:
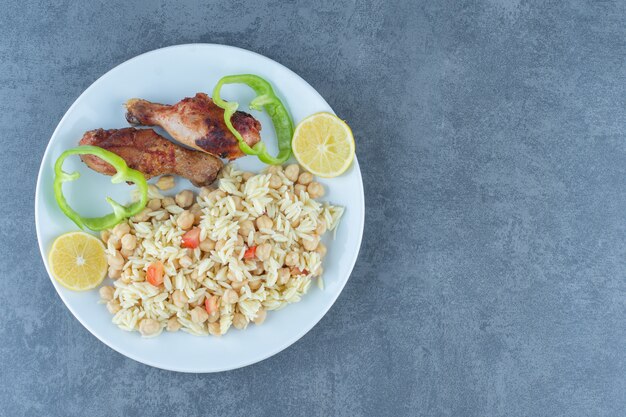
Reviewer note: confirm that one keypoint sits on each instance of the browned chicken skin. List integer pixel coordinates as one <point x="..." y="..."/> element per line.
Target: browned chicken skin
<point x="153" y="155"/>
<point x="197" y="122"/>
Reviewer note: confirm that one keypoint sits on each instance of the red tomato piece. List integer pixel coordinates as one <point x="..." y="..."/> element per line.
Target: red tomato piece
<point x="210" y="305"/>
<point x="250" y="253"/>
<point x="155" y="274"/>
<point x="191" y="239"/>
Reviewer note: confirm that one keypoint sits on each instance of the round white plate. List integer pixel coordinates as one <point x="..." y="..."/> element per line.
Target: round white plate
<point x="168" y="75"/>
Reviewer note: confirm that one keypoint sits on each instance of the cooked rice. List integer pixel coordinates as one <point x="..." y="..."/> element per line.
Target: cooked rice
<point x="159" y="239"/>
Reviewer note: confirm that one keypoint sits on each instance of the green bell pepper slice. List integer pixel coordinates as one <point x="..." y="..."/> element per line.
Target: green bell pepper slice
<point x="124" y="173"/>
<point x="266" y="99"/>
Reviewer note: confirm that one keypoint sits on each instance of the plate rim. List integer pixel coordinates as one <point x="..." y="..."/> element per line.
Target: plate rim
<point x="291" y="339"/>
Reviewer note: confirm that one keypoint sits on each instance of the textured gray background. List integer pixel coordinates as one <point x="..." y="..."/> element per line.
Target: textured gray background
<point x="493" y="146"/>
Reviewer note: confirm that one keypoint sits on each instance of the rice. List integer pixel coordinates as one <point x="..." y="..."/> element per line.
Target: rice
<point x="259" y="285"/>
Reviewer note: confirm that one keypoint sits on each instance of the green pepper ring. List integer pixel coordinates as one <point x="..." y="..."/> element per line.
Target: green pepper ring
<point x="266" y="99"/>
<point x="124" y="173"/>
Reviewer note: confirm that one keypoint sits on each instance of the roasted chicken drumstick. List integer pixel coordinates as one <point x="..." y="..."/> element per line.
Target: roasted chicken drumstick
<point x="152" y="154"/>
<point x="196" y="122"/>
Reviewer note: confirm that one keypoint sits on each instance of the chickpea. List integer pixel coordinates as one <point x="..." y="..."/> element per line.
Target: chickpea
<point x="199" y="315"/>
<point x="220" y="244"/>
<point x="264" y="222"/>
<point x="299" y="189"/>
<point x="247" y="175"/>
<point x="195" y="208"/>
<point x="205" y="192"/>
<point x="239" y="321"/>
<point x="185" y="261"/>
<point x="275" y="181"/>
<point x="292" y="171"/>
<point x="173" y="325"/>
<point x="305" y="178"/>
<point x="114" y="242"/>
<point x="315" y="190"/>
<point x="245" y="227"/>
<point x="113" y="306"/>
<point x="230" y="296"/>
<point x="292" y="259"/>
<point x="311" y="245"/>
<point x="154" y="204"/>
<point x="321" y="249"/>
<point x="185" y="220"/>
<point x="273" y="169"/>
<point x="166" y="182"/>
<point x="167" y="201"/>
<point x="142" y="216"/>
<point x="149" y="327"/>
<point x="185" y="198"/>
<point x="121" y="229"/>
<point x="105" y="235"/>
<point x="116" y="260"/>
<point x="260" y="316"/>
<point x="106" y="292"/>
<point x="214" y="329"/>
<point x="153" y="191"/>
<point x="321" y="227"/>
<point x="179" y="298"/>
<point x="207" y="245"/>
<point x="283" y="276"/>
<point x="129" y="242"/>
<point x="115" y="273"/>
<point x="263" y="251"/>
<point x="255" y="285"/>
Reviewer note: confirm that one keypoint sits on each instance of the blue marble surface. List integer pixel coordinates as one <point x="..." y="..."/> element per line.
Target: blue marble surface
<point x="492" y="139"/>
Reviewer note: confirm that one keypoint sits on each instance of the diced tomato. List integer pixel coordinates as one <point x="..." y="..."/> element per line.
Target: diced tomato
<point x="210" y="305"/>
<point x="155" y="274"/>
<point x="250" y="252"/>
<point x="191" y="239"/>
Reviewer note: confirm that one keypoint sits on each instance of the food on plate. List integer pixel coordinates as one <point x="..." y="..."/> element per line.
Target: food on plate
<point x="123" y="173"/>
<point x="224" y="258"/>
<point x="324" y="145"/>
<point x="78" y="261"/>
<point x="196" y="122"/>
<point x="150" y="153"/>
<point x="220" y="259"/>
<point x="265" y="99"/>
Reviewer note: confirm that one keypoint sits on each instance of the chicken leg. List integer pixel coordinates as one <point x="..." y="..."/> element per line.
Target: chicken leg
<point x="197" y="122"/>
<point x="153" y="155"/>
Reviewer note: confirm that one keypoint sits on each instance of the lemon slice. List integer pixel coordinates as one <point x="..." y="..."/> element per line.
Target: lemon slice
<point x="78" y="261"/>
<point x="323" y="144"/>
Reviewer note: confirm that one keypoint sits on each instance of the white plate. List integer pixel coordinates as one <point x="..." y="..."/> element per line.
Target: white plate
<point x="167" y="75"/>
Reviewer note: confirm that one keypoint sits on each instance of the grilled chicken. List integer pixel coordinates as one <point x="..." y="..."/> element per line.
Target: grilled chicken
<point x="152" y="154"/>
<point x="197" y="122"/>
